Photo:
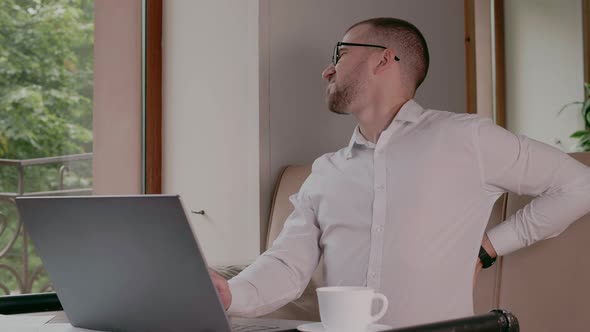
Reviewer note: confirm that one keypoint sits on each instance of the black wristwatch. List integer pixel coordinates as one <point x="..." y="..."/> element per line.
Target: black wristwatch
<point x="485" y="258"/>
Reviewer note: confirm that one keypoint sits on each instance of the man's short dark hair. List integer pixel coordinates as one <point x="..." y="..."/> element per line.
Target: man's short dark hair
<point x="407" y="42"/>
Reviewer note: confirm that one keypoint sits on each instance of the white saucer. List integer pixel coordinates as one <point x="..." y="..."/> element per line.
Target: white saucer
<point x="319" y="327"/>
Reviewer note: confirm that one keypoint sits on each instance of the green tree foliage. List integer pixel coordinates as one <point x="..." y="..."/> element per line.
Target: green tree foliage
<point x="46" y="77"/>
<point x="46" y="87"/>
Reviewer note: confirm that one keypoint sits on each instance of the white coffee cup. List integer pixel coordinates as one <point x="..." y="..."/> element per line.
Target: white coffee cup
<point x="349" y="308"/>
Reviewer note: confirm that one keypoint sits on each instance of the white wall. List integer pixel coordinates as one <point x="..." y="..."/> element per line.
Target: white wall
<point x="210" y="121"/>
<point x="302" y="36"/>
<point x="116" y="163"/>
<point x="544" y="68"/>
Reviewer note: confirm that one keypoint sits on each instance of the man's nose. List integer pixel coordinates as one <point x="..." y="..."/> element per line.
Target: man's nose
<point x="328" y="72"/>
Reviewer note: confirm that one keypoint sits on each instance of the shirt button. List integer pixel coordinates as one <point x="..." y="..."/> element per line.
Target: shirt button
<point x="373" y="275"/>
<point x="380" y="187"/>
<point x="378" y="229"/>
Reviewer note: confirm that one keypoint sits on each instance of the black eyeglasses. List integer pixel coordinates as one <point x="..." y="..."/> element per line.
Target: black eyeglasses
<point x="336" y="54"/>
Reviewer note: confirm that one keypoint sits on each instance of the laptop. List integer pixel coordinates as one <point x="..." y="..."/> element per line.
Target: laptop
<point x="129" y="263"/>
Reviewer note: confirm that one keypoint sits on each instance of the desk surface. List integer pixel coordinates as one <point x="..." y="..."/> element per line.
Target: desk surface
<point x="61" y="317"/>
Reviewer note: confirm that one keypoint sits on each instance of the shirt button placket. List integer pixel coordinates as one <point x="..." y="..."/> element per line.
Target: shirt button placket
<point x="379" y="215"/>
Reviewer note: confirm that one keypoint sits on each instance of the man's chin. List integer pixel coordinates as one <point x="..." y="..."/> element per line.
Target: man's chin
<point x="338" y="110"/>
<point x="334" y="107"/>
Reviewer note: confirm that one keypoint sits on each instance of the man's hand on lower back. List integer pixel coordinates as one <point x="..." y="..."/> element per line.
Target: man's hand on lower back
<point x="222" y="288"/>
<point x="487" y="245"/>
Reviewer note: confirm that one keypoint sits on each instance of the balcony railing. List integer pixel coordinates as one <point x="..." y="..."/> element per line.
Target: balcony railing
<point x="16" y="254"/>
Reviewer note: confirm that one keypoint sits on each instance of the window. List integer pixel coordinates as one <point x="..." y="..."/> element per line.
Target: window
<point x="71" y="113"/>
<point x="46" y="138"/>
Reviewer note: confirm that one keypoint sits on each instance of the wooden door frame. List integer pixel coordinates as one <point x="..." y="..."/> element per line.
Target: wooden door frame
<point x="586" y="39"/>
<point x="153" y="97"/>
<point x="499" y="59"/>
<point x="470" y="64"/>
<point x="500" y="62"/>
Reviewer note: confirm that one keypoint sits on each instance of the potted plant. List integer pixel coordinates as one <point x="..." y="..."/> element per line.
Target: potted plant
<point x="583" y="136"/>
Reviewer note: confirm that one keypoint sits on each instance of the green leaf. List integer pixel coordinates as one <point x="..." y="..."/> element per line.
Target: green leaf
<point x="585" y="140"/>
<point x="568" y="105"/>
<point x="585" y="106"/>
<point x="580" y="133"/>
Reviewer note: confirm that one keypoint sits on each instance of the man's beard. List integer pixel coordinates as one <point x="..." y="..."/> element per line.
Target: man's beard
<point x="339" y="100"/>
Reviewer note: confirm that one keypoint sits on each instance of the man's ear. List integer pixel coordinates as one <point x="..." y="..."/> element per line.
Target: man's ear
<point x="385" y="61"/>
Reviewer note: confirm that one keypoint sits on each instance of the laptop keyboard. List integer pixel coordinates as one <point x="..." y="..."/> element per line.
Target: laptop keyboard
<point x="251" y="328"/>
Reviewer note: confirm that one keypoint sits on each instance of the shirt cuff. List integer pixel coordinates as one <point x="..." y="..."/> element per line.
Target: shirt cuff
<point x="242" y="292"/>
<point x="504" y="238"/>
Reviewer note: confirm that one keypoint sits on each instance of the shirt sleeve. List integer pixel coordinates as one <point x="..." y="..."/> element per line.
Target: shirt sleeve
<point x="281" y="273"/>
<point x="518" y="164"/>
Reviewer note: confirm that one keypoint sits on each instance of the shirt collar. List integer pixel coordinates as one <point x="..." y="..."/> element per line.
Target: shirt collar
<point x="410" y="112"/>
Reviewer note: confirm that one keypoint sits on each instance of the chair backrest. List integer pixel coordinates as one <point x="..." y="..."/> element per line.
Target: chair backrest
<point x="547" y="285"/>
<point x="288" y="183"/>
<point x="485" y="295"/>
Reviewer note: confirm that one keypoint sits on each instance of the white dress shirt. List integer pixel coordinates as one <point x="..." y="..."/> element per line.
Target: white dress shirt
<point x="406" y="216"/>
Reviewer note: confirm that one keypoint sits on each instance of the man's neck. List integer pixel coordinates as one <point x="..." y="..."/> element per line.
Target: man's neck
<point x="374" y="120"/>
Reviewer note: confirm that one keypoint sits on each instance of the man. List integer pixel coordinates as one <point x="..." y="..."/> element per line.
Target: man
<point x="403" y="208"/>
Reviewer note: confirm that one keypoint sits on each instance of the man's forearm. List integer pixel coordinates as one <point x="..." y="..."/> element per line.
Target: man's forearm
<point x="517" y="164"/>
<point x="265" y="286"/>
